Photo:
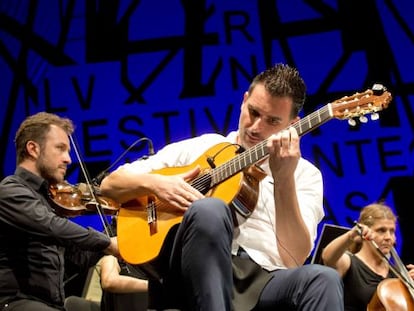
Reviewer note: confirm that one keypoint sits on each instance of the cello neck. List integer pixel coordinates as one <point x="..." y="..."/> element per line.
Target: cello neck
<point x="403" y="271"/>
<point x="398" y="268"/>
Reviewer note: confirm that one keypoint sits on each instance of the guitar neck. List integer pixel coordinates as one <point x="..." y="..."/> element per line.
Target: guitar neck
<point x="259" y="151"/>
<point x="153" y="225"/>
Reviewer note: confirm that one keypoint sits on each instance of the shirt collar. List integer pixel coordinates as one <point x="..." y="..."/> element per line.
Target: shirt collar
<point x="34" y="181"/>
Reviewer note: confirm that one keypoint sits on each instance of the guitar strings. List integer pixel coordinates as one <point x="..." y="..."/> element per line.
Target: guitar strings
<point x="252" y="155"/>
<point x="248" y="157"/>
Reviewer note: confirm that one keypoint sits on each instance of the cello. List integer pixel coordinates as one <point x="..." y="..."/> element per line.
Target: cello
<point x="393" y="294"/>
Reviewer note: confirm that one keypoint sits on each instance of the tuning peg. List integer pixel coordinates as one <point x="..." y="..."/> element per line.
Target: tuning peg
<point x="378" y="89"/>
<point x="374" y="116"/>
<point x="363" y="119"/>
<point x="351" y="122"/>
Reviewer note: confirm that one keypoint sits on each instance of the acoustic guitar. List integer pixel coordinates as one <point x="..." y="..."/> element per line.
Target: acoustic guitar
<point x="227" y="172"/>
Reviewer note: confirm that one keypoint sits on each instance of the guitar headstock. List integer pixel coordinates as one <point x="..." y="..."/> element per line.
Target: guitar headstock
<point x="358" y="105"/>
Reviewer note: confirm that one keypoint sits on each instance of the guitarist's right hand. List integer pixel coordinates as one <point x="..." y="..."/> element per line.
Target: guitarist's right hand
<point x="175" y="189"/>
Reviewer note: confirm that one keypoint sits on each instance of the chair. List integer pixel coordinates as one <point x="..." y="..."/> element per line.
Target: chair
<point x="328" y="233"/>
<point x="91" y="294"/>
<point x="92" y="289"/>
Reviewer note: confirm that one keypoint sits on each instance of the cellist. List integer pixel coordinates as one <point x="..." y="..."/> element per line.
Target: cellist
<point x="355" y="255"/>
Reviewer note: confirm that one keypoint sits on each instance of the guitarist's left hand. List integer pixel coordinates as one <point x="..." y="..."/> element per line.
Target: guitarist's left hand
<point x="284" y="153"/>
<point x="292" y="235"/>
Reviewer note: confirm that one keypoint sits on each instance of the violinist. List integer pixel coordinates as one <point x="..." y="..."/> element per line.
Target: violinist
<point x="34" y="238"/>
<point x="355" y="255"/>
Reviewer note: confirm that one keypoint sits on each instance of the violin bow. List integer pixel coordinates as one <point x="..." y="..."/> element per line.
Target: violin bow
<point x="108" y="230"/>
<point x="107" y="227"/>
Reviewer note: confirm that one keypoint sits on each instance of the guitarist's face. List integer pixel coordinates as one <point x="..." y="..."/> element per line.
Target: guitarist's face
<point x="263" y="115"/>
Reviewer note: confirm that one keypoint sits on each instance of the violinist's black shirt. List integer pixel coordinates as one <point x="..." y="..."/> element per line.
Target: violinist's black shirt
<point x="34" y="238"/>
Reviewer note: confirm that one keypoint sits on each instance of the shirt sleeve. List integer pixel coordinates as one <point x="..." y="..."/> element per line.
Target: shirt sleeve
<point x="309" y="185"/>
<point x="177" y="154"/>
<point x="28" y="211"/>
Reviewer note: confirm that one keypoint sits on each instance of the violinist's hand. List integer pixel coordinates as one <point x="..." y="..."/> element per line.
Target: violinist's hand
<point x="410" y="268"/>
<point x="175" y="189"/>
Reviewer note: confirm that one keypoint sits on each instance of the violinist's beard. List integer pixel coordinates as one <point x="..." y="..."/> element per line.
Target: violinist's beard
<point x="50" y="174"/>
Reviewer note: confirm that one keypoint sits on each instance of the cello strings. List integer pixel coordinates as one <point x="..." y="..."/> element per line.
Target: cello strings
<point x="402" y="268"/>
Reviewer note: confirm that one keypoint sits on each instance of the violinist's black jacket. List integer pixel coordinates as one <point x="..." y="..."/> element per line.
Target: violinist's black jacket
<point x="34" y="239"/>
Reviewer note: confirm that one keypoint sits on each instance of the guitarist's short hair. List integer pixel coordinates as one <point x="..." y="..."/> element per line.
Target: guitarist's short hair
<point x="283" y="80"/>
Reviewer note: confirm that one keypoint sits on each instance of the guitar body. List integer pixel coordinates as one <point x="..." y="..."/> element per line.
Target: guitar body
<point x="139" y="238"/>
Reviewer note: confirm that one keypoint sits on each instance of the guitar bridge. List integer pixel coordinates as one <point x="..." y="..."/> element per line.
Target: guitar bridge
<point x="152" y="217"/>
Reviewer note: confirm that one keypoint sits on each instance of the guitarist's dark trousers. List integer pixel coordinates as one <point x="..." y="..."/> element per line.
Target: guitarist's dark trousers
<point x="198" y="271"/>
<point x="195" y="262"/>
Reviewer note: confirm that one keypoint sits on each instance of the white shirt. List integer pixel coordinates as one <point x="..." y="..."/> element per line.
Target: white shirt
<point x="256" y="234"/>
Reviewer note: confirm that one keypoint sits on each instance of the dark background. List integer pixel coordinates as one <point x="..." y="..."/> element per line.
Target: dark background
<point x="168" y="70"/>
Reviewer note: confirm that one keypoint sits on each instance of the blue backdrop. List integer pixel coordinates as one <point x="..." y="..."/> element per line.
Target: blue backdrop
<point x="170" y="69"/>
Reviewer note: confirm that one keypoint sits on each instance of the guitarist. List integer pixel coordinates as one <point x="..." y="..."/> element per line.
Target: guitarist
<point x="213" y="261"/>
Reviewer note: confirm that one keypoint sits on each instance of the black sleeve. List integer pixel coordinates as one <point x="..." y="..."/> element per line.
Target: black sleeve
<point x="29" y="211"/>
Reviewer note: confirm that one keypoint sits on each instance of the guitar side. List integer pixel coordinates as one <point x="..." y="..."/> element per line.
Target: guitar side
<point x="139" y="238"/>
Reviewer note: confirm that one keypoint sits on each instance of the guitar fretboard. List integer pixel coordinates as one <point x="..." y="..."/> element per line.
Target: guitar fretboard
<point x="259" y="151"/>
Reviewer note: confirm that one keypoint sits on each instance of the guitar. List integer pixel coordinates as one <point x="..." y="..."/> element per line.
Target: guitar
<point x="144" y="223"/>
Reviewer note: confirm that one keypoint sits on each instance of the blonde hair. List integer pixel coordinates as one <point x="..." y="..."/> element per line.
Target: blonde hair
<point x="374" y="212"/>
<point x="369" y="215"/>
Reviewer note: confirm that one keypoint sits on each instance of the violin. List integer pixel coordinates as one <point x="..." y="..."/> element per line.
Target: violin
<point x="74" y="200"/>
